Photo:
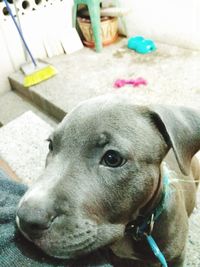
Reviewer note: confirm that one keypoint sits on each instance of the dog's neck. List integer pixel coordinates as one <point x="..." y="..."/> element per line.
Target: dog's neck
<point x="152" y="209"/>
<point x="154" y="200"/>
<point x="125" y="247"/>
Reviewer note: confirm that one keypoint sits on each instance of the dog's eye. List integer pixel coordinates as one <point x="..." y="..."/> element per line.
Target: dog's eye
<point x="50" y="144"/>
<point x="112" y="159"/>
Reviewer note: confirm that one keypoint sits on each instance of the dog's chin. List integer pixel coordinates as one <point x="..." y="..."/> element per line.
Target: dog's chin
<point x="66" y="251"/>
<point x="83" y="241"/>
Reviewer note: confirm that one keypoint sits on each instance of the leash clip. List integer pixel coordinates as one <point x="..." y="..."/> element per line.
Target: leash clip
<point x="135" y="231"/>
<point x="139" y="232"/>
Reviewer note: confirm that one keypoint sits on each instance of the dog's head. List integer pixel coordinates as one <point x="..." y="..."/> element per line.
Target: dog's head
<point x="103" y="166"/>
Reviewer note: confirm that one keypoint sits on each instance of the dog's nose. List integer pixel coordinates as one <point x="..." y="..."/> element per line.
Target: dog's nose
<point x="33" y="221"/>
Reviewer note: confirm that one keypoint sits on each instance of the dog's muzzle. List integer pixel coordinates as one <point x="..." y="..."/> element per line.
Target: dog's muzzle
<point x="34" y="224"/>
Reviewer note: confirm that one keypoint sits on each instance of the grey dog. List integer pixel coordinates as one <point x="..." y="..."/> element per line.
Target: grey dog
<point x="104" y="170"/>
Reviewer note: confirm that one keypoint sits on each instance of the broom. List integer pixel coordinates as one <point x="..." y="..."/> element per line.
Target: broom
<point x="36" y="71"/>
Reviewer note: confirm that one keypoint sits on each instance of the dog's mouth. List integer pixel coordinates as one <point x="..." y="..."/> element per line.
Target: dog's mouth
<point x="68" y="245"/>
<point x="82" y="238"/>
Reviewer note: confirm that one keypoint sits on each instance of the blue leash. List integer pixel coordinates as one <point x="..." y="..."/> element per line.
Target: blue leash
<point x="156" y="250"/>
<point x="20" y="33"/>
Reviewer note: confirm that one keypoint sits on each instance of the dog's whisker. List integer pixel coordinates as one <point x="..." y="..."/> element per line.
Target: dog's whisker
<point x="180" y="190"/>
<point x="184" y="181"/>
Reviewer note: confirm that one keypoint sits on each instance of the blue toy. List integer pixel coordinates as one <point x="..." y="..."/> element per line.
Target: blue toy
<point x="141" y="45"/>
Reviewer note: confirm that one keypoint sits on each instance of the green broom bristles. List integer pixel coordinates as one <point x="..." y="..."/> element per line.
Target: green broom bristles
<point x="39" y="76"/>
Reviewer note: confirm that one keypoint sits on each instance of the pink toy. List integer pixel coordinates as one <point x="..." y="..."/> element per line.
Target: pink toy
<point x="137" y="82"/>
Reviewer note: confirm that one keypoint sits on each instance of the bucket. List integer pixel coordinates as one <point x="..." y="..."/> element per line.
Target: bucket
<point x="109" y="30"/>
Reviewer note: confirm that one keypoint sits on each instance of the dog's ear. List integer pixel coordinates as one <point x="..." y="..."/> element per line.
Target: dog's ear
<point x="180" y="128"/>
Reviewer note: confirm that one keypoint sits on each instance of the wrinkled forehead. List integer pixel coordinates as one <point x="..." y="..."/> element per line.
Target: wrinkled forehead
<point x="97" y="115"/>
<point x="94" y="126"/>
<point x="100" y="121"/>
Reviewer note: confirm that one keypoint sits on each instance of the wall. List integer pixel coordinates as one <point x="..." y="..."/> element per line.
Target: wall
<point x="173" y="21"/>
<point x="44" y="25"/>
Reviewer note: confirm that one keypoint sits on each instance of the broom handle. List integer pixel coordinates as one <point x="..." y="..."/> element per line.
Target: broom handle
<point x="20" y="33"/>
<point x="20" y="26"/>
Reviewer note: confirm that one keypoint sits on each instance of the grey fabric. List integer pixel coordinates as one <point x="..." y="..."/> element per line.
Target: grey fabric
<point x="15" y="250"/>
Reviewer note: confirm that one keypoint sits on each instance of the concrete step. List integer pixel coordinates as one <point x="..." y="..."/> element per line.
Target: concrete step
<point x="23" y="145"/>
<point x="81" y="75"/>
<point x="13" y="105"/>
<point x="171" y="72"/>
